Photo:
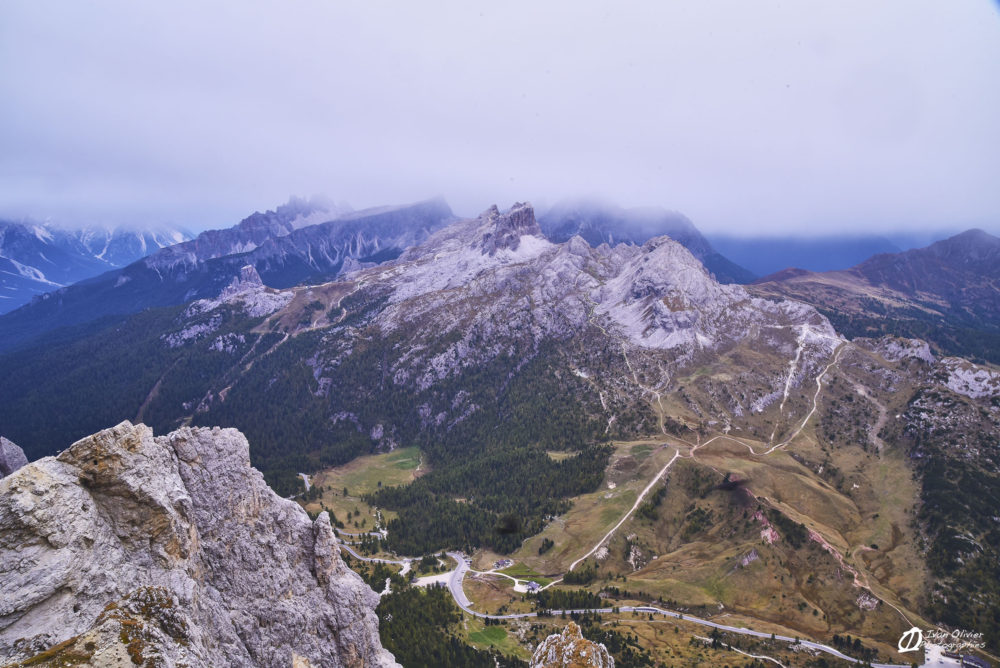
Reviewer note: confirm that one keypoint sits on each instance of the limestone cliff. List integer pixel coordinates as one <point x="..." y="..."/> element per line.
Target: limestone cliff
<point x="571" y="650"/>
<point x="172" y="551"/>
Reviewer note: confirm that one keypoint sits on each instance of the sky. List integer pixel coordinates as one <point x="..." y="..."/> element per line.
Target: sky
<point x="749" y="117"/>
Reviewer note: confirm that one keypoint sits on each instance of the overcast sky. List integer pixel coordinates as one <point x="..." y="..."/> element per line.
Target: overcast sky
<point x="757" y="116"/>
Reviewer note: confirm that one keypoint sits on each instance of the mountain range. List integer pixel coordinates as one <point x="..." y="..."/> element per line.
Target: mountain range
<point x="492" y="279"/>
<point x="300" y="241"/>
<point x="36" y="258"/>
<point x="833" y="472"/>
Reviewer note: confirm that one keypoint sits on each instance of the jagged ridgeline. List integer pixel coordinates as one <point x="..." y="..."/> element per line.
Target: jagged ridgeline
<point x="300" y="242"/>
<point x="36" y="258"/>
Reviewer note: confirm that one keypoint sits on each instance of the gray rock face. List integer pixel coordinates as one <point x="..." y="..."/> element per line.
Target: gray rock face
<point x="248" y="279"/>
<point x="571" y="650"/>
<point x="11" y="457"/>
<point x="250" y="233"/>
<point x="494" y="277"/>
<point x="173" y="549"/>
<point x="489" y="288"/>
<point x="601" y="222"/>
<point x="508" y="228"/>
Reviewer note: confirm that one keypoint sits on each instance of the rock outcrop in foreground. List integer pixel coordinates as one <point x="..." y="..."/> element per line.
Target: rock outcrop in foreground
<point x="11" y="457"/>
<point x="571" y="650"/>
<point x="130" y="549"/>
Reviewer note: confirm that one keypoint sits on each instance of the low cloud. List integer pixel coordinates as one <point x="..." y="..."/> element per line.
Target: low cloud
<point x="777" y="118"/>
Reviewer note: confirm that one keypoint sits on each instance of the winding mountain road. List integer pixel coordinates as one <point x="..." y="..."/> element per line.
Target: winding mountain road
<point x="405" y="563"/>
<point x="457" y="576"/>
<point x="627" y="515"/>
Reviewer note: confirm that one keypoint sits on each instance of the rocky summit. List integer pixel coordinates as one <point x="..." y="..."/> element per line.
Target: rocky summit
<point x="570" y="649"/>
<point x="128" y="548"/>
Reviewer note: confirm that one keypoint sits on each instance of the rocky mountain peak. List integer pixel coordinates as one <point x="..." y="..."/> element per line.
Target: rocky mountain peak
<point x="246" y="281"/>
<point x="296" y="213"/>
<point x="506" y="229"/>
<point x="172" y="549"/>
<point x="11" y="457"/>
<point x="600" y="222"/>
<point x="656" y="296"/>
<point x="571" y="650"/>
<point x="663" y="267"/>
<point x="247" y="291"/>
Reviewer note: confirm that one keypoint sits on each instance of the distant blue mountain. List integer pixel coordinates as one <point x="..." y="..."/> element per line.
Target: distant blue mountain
<point x="947" y="293"/>
<point x="36" y="258"/>
<point x="767" y="255"/>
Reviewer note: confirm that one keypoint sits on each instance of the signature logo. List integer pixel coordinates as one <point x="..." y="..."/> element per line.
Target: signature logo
<point x="949" y="641"/>
<point x="911" y="640"/>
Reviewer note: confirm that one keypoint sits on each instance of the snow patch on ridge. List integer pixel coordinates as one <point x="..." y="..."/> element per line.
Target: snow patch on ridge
<point x="32" y="273"/>
<point x="42" y="234"/>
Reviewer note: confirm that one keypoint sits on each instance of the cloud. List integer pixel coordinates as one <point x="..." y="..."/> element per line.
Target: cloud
<point x="742" y="115"/>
